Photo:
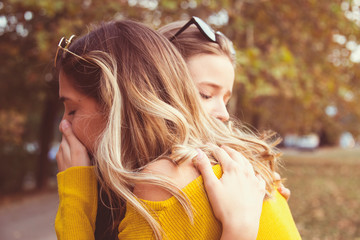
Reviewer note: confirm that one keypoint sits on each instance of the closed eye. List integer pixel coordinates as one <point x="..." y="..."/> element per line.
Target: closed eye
<point x="72" y="112"/>
<point x="204" y="96"/>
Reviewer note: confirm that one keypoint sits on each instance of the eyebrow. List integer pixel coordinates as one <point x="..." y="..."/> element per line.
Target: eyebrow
<point x="214" y="85"/>
<point x="63" y="99"/>
<point x="210" y="84"/>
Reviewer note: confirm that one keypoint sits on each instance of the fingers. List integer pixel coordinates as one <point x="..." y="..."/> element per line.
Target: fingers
<point x="65" y="128"/>
<point x="235" y="155"/>
<point x="237" y="192"/>
<point x="63" y="155"/>
<point x="59" y="160"/>
<point x="285" y="192"/>
<point x="231" y="159"/>
<point x="239" y="158"/>
<point x="65" y="148"/>
<point x="203" y="164"/>
<point x="71" y="151"/>
<point x="227" y="164"/>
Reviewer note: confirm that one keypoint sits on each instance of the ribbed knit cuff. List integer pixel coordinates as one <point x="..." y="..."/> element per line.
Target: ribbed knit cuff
<point x="76" y="215"/>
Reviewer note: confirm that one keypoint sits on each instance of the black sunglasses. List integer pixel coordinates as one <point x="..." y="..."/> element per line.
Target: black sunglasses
<point x="204" y="28"/>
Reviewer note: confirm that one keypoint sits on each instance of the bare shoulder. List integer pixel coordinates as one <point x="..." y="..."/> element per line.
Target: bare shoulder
<point x="181" y="175"/>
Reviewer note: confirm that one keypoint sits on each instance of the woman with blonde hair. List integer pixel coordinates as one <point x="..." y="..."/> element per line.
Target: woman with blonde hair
<point x="132" y="105"/>
<point x="211" y="59"/>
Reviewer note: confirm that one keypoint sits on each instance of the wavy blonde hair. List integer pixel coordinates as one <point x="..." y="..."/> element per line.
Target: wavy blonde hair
<point x="153" y="111"/>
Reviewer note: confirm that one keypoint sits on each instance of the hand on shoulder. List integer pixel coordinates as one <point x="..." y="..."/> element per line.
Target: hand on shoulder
<point x="285" y="192"/>
<point x="237" y="197"/>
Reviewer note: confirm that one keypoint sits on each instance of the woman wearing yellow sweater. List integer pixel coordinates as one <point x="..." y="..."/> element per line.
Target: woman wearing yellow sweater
<point x="154" y="123"/>
<point x="215" y="83"/>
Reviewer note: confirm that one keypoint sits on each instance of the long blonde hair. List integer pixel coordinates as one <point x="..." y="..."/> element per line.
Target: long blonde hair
<point x="153" y="111"/>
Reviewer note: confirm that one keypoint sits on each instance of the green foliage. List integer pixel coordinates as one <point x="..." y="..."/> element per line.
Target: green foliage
<point x="169" y="5"/>
<point x="289" y="66"/>
<point x="284" y="56"/>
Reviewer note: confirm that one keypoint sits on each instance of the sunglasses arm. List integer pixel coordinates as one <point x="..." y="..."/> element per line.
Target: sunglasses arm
<point x="182" y="29"/>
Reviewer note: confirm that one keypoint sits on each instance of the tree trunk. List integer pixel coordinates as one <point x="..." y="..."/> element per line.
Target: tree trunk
<point x="51" y="107"/>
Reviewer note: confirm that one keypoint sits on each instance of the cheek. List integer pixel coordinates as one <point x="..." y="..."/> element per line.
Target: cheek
<point x="80" y="128"/>
<point x="207" y="105"/>
<point x="214" y="106"/>
<point x="87" y="130"/>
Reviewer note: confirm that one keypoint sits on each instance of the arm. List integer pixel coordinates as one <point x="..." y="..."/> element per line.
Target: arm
<point x="77" y="186"/>
<point x="238" y="210"/>
<point x="77" y="210"/>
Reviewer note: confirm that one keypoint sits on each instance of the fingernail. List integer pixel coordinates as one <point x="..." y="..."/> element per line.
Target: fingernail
<point x="65" y="124"/>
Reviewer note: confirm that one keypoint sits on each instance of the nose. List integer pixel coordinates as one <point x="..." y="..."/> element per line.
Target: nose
<point x="221" y="112"/>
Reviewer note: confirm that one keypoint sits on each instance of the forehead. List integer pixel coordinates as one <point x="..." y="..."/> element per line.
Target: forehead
<point x="67" y="90"/>
<point x="64" y="84"/>
<point x="212" y="69"/>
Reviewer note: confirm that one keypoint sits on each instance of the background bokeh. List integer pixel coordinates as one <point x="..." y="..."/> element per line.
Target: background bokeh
<point x="297" y="74"/>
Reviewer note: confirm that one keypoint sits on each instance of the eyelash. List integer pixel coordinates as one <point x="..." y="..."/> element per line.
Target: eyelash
<point x="72" y="112"/>
<point x="204" y="96"/>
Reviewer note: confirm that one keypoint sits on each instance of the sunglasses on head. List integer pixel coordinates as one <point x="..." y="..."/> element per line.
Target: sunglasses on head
<point x="204" y="28"/>
<point x="64" y="45"/>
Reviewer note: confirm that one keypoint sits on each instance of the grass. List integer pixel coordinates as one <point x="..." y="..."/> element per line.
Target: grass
<point x="325" y="197"/>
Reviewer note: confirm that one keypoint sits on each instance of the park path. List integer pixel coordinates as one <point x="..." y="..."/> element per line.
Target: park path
<point x="31" y="218"/>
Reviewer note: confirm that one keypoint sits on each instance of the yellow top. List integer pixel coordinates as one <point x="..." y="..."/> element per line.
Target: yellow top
<point x="276" y="221"/>
<point x="78" y="205"/>
<point x="75" y="219"/>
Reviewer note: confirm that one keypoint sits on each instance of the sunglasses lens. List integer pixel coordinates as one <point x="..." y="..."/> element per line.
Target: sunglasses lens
<point x="207" y="30"/>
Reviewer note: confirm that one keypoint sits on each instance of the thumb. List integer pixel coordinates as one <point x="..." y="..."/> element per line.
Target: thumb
<point x="202" y="163"/>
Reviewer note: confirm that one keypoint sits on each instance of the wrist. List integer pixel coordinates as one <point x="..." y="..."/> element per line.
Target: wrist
<point x="239" y="231"/>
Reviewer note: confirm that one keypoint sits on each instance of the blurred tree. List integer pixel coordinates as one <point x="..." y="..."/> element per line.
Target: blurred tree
<point x="295" y="60"/>
<point x="293" y="69"/>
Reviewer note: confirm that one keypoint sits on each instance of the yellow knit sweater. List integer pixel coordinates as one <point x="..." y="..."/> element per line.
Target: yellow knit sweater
<point x="75" y="219"/>
<point x="78" y="222"/>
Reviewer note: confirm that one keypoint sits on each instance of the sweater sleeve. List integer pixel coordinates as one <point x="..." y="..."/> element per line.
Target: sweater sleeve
<point x="75" y="219"/>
